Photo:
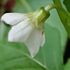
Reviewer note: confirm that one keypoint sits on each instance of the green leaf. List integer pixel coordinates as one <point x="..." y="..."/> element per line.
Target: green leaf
<point x="67" y="66"/>
<point x="13" y="58"/>
<point x="67" y="4"/>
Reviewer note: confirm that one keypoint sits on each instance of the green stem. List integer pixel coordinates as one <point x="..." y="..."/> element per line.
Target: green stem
<point x="64" y="15"/>
<point x="49" y="7"/>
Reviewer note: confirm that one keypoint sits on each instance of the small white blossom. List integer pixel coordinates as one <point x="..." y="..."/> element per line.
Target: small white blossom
<point x="24" y="30"/>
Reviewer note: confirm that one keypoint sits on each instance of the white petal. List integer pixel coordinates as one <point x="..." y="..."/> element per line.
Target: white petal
<point x="34" y="42"/>
<point x="43" y="40"/>
<point x="13" y="18"/>
<point x="20" y="32"/>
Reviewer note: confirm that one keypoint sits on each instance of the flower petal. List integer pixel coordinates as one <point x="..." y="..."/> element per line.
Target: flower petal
<point x="20" y="32"/>
<point x="43" y="40"/>
<point x="13" y="18"/>
<point x="34" y="42"/>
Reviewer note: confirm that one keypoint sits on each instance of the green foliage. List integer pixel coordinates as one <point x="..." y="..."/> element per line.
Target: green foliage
<point x="12" y="57"/>
<point x="15" y="56"/>
<point x="64" y="15"/>
<point x="67" y="4"/>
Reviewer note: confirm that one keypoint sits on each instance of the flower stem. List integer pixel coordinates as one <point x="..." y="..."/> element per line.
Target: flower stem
<point x="49" y="7"/>
<point x="64" y="15"/>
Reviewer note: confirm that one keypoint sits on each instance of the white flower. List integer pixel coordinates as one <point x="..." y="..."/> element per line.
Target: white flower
<point x="24" y="30"/>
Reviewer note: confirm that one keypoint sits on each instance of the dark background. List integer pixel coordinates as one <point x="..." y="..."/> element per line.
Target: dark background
<point x="67" y="52"/>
